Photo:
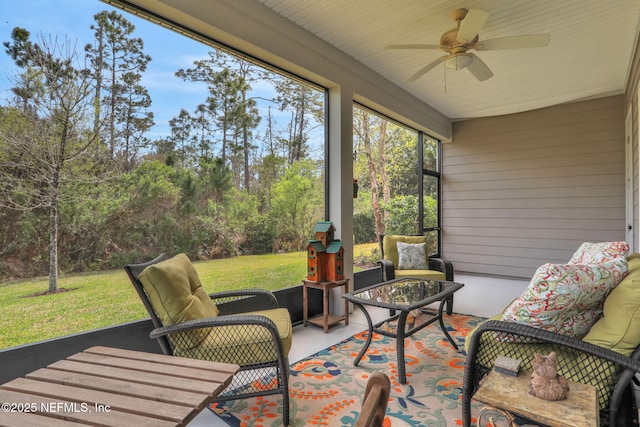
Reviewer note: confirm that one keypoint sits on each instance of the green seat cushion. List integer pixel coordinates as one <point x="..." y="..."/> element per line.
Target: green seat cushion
<point x="467" y="339"/>
<point x="244" y="344"/>
<point x="282" y="319"/>
<point x="390" y="245"/>
<point x="177" y="295"/>
<point x="619" y="327"/>
<point x="421" y="274"/>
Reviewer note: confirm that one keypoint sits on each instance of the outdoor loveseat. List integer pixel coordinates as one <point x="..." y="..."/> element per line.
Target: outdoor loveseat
<point x="607" y="357"/>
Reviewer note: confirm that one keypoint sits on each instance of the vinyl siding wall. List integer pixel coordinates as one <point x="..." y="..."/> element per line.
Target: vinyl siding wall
<point x="524" y="189"/>
<point x="631" y="104"/>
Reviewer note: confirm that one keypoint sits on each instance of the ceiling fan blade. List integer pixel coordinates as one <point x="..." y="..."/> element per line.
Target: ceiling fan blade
<point x="413" y="46"/>
<point x="514" y="42"/>
<point x="472" y="24"/>
<point x="424" y="70"/>
<point x="479" y="69"/>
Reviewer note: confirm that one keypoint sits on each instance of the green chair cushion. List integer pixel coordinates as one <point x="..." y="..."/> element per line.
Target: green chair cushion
<point x="244" y="344"/>
<point x="177" y="295"/>
<point x="421" y="274"/>
<point x="282" y="318"/>
<point x="389" y="243"/>
<point x="467" y="339"/>
<point x="619" y="327"/>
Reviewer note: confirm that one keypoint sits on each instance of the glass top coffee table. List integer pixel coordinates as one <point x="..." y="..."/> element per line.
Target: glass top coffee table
<point x="403" y="295"/>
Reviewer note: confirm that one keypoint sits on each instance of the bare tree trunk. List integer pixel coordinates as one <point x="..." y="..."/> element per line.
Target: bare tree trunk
<point x="245" y="146"/>
<point x="375" y="187"/>
<point x="300" y="135"/>
<point x="223" y="150"/>
<point x="112" y="112"/>
<point x="97" y="100"/>
<point x="53" y="239"/>
<point x="384" y="178"/>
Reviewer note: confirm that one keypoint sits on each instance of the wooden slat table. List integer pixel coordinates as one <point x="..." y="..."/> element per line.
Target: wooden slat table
<point x="112" y="387"/>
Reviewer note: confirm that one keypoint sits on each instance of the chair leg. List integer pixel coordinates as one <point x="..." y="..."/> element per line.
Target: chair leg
<point x="284" y="385"/>
<point x="450" y="305"/>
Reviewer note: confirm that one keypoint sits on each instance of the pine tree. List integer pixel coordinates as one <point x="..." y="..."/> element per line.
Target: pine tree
<point x="49" y="133"/>
<point x="118" y="59"/>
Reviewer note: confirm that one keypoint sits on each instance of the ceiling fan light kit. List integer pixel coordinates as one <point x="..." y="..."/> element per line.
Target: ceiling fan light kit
<point x="458" y="61"/>
<point x="456" y="42"/>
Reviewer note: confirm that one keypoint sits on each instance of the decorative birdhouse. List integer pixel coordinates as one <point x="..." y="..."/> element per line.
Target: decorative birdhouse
<point x="335" y="261"/>
<point x="325" y="255"/>
<point x="324" y="232"/>
<point x="315" y="270"/>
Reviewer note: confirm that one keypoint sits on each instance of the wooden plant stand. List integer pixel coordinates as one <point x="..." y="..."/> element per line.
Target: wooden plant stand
<point x="325" y="319"/>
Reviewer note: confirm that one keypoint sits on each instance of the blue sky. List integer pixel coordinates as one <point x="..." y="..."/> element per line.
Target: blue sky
<point x="73" y="18"/>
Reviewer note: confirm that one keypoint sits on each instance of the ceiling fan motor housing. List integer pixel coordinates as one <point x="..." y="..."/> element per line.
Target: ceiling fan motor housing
<point x="449" y="42"/>
<point x="458" y="41"/>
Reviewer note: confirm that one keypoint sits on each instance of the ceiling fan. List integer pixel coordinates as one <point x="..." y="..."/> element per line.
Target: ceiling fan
<point x="458" y="41"/>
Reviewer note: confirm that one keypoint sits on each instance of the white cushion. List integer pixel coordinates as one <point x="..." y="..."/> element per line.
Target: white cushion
<point x="412" y="256"/>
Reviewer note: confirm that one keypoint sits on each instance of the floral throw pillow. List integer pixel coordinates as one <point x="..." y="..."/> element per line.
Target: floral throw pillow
<point x="566" y="298"/>
<point x="412" y="256"/>
<point x="596" y="253"/>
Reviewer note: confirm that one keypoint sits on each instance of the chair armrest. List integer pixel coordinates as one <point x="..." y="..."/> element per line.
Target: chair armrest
<point x="245" y="340"/>
<point x="243" y="300"/>
<point x="537" y="335"/>
<point x="388" y="270"/>
<point x="442" y="265"/>
<point x="213" y="322"/>
<point x="586" y="363"/>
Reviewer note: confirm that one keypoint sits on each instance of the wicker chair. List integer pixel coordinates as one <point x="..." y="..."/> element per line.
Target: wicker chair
<point x="264" y="367"/>
<point x="439" y="269"/>
<point x="610" y="372"/>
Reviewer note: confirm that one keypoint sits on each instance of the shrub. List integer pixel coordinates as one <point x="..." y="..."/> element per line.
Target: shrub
<point x="260" y="232"/>
<point x="364" y="230"/>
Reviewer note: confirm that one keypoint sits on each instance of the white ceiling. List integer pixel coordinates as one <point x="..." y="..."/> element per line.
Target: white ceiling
<point x="591" y="46"/>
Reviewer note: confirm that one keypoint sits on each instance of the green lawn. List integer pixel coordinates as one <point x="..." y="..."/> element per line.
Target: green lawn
<point x="95" y="300"/>
<point x="106" y="298"/>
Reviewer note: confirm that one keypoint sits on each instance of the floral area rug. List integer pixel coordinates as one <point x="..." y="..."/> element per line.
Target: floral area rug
<point x="327" y="390"/>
